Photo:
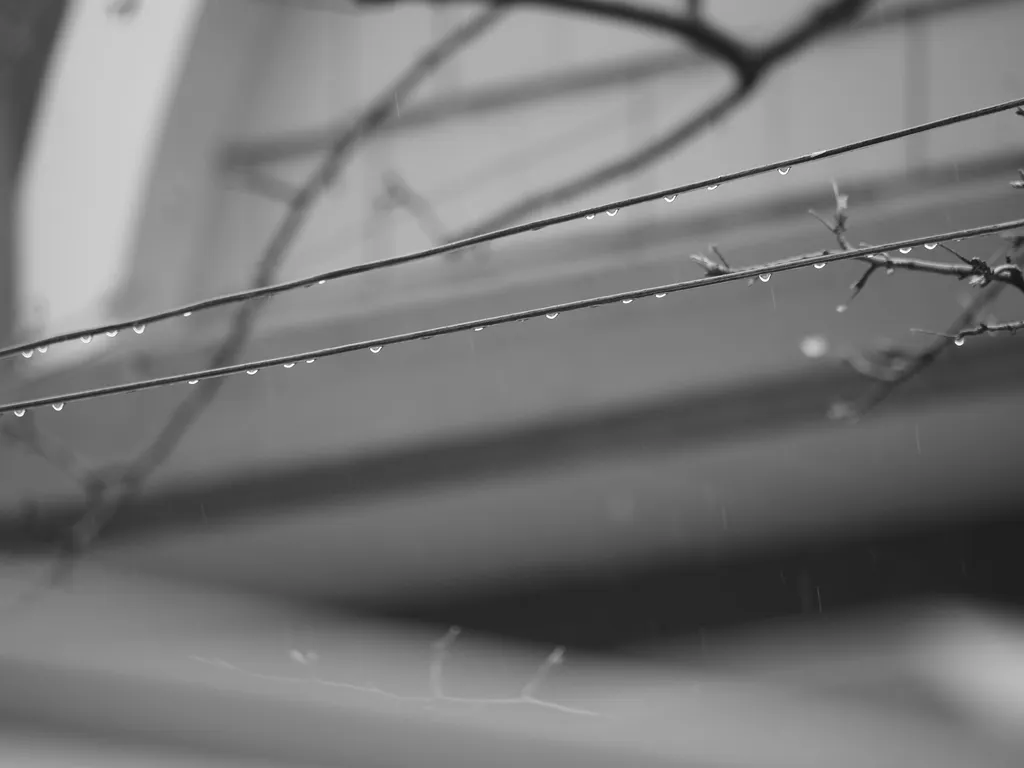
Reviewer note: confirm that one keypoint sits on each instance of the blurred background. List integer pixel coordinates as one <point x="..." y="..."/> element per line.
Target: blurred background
<point x="657" y="488"/>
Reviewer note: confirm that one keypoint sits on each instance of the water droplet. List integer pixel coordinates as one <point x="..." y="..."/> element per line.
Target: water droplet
<point x="669" y="198"/>
<point x="660" y="295"/>
<point x="819" y="266"/>
<point x="193" y="381"/>
<point x="112" y="334"/>
<point x="712" y="187"/>
<point x="253" y="371"/>
<point x="783" y="171"/>
<point x="26" y="353"/>
<point x="841" y="308"/>
<point x="551" y="315"/>
<point x="187" y="314"/>
<point x="289" y="365"/>
<point x="612" y="211"/>
<point x="19" y="412"/>
<point x="478" y="329"/>
<point x="139" y="327"/>
<point x="930" y="246"/>
<point x="764" y="278"/>
<point x="908" y="249"/>
<point x="959" y="341"/>
<point x="86" y="339"/>
<point x="814" y="346"/>
<point x="58" y="406"/>
<point x="311" y="361"/>
<point x="375" y="350"/>
<point x="627" y="301"/>
<point x="590" y="217"/>
<point x="320" y="282"/>
<point x="42" y="350"/>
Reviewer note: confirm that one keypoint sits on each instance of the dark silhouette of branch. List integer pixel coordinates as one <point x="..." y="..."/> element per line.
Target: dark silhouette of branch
<point x="978" y="330"/>
<point x="129" y="480"/>
<point x="823" y="19"/>
<point x="691" y="28"/>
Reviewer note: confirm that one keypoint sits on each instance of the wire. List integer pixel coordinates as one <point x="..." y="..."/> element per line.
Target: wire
<point x="626" y="297"/>
<point x="186" y="310"/>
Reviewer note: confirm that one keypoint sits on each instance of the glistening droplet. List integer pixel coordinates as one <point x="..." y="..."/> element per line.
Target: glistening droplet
<point x="627" y="301"/>
<point x="26" y="353"/>
<point x="783" y="171"/>
<point x="551" y="315"/>
<point x="139" y="327"/>
<point x="764" y="278"/>
<point x="289" y="365"/>
<point x="375" y="350"/>
<point x="908" y="249"/>
<point x="187" y="314"/>
<point x="320" y="282"/>
<point x="311" y="361"/>
<point x="253" y="371"/>
<point x="612" y="211"/>
<point x="590" y="216"/>
<point x="86" y="338"/>
<point x="19" y="412"/>
<point x="478" y="328"/>
<point x="669" y="198"/>
<point x="959" y="341"/>
<point x="819" y="266"/>
<point x="930" y="246"/>
<point x="112" y="334"/>
<point x="58" y="406"/>
<point x="660" y="295"/>
<point x="42" y="350"/>
<point x="712" y="187"/>
<point x="193" y="381"/>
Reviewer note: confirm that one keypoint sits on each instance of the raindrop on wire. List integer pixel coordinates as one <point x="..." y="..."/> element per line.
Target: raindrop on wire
<point x="86" y="338"/>
<point x="959" y="341"/>
<point x="253" y="371"/>
<point x="139" y="327"/>
<point x="820" y="266"/>
<point x="289" y="365"/>
<point x="712" y="187"/>
<point x="112" y="333"/>
<point x="627" y="301"/>
<point x="26" y="353"/>
<point x="375" y="350"/>
<point x="669" y="198"/>
<point x="930" y="246"/>
<point x="660" y="295"/>
<point x="478" y="329"/>
<point x="765" y="277"/>
<point x="612" y="211"/>
<point x="783" y="171"/>
<point x="908" y="249"/>
<point x="551" y="315"/>
<point x="193" y="381"/>
<point x="590" y="217"/>
<point x="19" y="412"/>
<point x="58" y="406"/>
<point x="42" y="350"/>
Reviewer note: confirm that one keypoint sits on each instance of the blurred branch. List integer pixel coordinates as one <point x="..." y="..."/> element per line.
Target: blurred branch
<point x="131" y="479"/>
<point x="820" y="21"/>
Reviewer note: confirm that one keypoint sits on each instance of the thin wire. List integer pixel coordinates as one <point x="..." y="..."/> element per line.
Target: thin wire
<point x="499" y="234"/>
<point x="378" y="344"/>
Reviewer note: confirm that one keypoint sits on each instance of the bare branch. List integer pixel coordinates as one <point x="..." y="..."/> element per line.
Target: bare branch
<point x="818" y="22"/>
<point x="978" y="330"/>
<point x="692" y="28"/>
<point x="298" y="207"/>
